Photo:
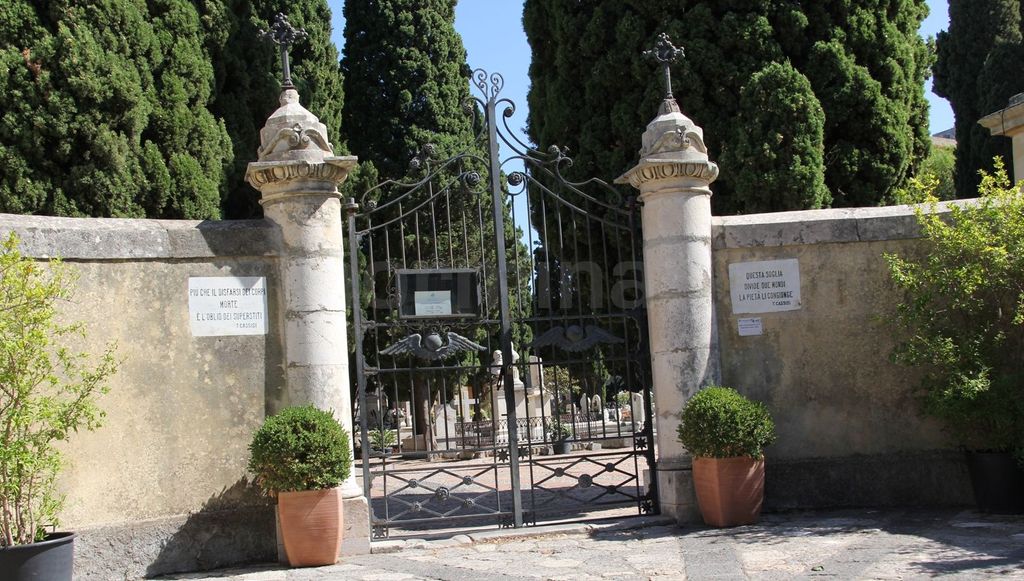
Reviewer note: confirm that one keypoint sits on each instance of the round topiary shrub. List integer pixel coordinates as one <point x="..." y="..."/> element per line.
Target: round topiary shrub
<point x="718" y="422"/>
<point x="301" y="448"/>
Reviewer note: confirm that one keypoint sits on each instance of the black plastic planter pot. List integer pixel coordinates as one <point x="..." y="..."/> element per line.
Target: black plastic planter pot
<point x="998" y="482"/>
<point x="49" y="560"/>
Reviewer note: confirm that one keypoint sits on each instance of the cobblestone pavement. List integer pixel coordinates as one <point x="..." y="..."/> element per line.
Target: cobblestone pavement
<point x="849" y="544"/>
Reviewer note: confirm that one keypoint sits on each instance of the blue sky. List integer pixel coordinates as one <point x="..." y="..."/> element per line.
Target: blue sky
<point x="493" y="34"/>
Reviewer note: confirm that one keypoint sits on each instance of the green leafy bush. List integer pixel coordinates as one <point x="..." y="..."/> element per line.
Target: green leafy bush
<point x="382" y="439"/>
<point x="47" y="391"/>
<point x="560" y="431"/>
<point x="961" y="319"/>
<point x="940" y="165"/>
<point x="301" y="448"/>
<point x="622" y="399"/>
<point x="718" y="422"/>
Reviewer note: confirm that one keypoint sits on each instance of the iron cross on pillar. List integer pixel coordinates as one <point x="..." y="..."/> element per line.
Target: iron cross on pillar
<point x="666" y="53"/>
<point x="284" y="35"/>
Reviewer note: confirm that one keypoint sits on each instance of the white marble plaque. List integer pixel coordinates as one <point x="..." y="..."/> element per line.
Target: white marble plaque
<point x="765" y="287"/>
<point x="750" y="327"/>
<point x="227" y="305"/>
<point x="433" y="303"/>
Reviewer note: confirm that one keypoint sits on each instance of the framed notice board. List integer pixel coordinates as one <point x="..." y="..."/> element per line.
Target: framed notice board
<point x="441" y="293"/>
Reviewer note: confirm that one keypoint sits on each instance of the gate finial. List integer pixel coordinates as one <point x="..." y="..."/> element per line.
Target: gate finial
<point x="284" y="35"/>
<point x="665" y="53"/>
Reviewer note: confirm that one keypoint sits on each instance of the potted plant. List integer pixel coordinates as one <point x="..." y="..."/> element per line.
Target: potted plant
<point x="383" y="440"/>
<point x="302" y="456"/>
<point x="727" y="433"/>
<point x="47" y="392"/>
<point x="961" y="322"/>
<point x="560" y="434"/>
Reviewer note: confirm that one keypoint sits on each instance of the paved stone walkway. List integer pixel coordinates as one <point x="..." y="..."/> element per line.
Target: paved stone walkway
<point x="850" y="544"/>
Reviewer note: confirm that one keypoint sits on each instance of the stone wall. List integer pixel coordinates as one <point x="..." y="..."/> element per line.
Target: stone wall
<point x="162" y="485"/>
<point x="849" y="431"/>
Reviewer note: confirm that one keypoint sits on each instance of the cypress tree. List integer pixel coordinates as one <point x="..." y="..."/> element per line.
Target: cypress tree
<point x="864" y="60"/>
<point x="104" y="110"/>
<point x="781" y="142"/>
<point x="406" y="84"/>
<point x="76" y="93"/>
<point x="193" y="142"/>
<point x="978" y="70"/>
<point x="134" y="108"/>
<point x="867" y="65"/>
<point x="406" y="79"/>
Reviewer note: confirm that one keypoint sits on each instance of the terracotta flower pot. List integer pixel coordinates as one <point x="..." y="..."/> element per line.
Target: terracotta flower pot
<point x="730" y="491"/>
<point x="311" y="526"/>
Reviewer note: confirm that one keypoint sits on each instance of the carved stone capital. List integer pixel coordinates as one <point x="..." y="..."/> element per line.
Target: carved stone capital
<point x="690" y="174"/>
<point x="279" y="178"/>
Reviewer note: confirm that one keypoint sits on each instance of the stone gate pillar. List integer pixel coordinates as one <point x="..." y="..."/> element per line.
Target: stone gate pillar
<point x="673" y="178"/>
<point x="1010" y="122"/>
<point x="298" y="175"/>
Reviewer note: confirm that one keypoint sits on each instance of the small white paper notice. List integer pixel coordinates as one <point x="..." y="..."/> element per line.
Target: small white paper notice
<point x="227" y="305"/>
<point x="433" y="303"/>
<point x="750" y="327"/>
<point x="765" y="287"/>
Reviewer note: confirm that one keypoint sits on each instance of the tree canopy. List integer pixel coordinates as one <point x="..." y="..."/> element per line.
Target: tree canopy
<point x="406" y="78"/>
<point x="134" y="108"/>
<point x="593" y="91"/>
<point x="407" y="86"/>
<point x="978" y="70"/>
<point x="104" y="110"/>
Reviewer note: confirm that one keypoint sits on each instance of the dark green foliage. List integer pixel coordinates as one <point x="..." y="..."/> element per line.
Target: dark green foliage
<point x="104" y="110"/>
<point x="961" y="319"/>
<point x="407" y="82"/>
<point x="593" y="91"/>
<point x="406" y="79"/>
<point x="194" y="143"/>
<point x="74" y="101"/>
<point x="978" y="70"/>
<point x="131" y="108"/>
<point x="300" y="448"/>
<point x="718" y="422"/>
<point x="559" y="431"/>
<point x="779" y="140"/>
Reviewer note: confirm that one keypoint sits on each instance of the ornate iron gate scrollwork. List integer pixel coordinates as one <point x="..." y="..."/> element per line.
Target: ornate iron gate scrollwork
<point x="485" y="343"/>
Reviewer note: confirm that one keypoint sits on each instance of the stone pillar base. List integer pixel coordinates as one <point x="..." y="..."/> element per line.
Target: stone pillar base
<point x="355" y="540"/>
<point x="676" y="494"/>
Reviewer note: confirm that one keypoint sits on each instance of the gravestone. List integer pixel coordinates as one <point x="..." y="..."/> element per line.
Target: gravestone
<point x="444" y="427"/>
<point x="376" y="405"/>
<point x="637" y="401"/>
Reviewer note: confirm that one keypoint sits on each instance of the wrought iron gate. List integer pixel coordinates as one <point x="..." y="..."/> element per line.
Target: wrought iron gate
<point x="450" y="273"/>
